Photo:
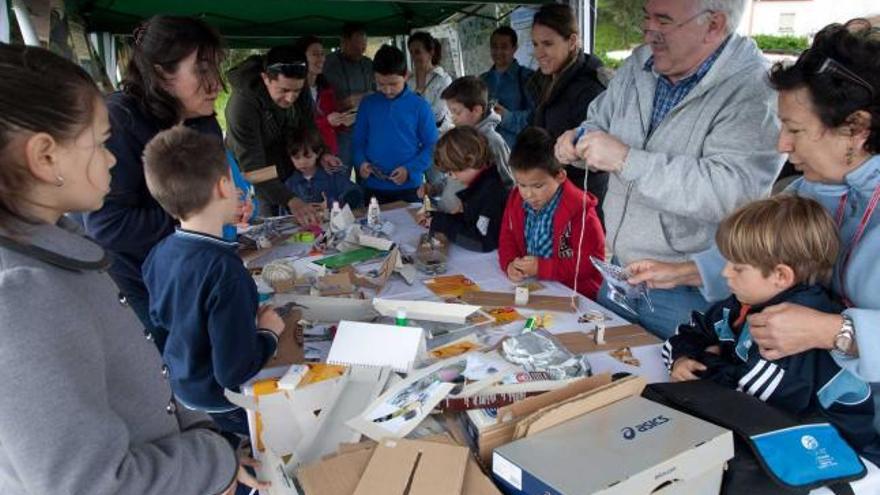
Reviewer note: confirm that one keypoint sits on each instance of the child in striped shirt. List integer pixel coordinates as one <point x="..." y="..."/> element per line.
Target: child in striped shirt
<point x="778" y="250"/>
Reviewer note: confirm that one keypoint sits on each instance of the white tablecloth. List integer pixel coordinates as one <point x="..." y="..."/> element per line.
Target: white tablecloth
<point x="483" y="268"/>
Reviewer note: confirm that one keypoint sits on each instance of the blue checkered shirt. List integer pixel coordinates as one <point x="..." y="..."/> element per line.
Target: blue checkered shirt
<point x="539" y="227"/>
<point x="669" y="94"/>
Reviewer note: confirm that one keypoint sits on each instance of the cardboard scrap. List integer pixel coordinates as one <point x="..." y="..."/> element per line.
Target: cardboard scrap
<point x="579" y="405"/>
<point x="289" y="350"/>
<point x="413" y="467"/>
<point x="457" y="348"/>
<point x="615" y="338"/>
<point x="562" y="304"/>
<point x="426" y="310"/>
<point x="504" y="315"/>
<point x="337" y="475"/>
<point x="449" y="286"/>
<point x="340" y="473"/>
<point x="336" y="284"/>
<point x="625" y="356"/>
<point x="508" y="416"/>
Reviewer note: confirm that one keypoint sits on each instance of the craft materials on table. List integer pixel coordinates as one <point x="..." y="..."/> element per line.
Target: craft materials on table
<point x="537" y="302"/>
<point x="351" y="257"/>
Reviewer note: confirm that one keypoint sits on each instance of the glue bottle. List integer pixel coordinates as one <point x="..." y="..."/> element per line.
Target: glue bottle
<point x="335" y="211"/>
<point x="373" y="213"/>
<point x="400" y="318"/>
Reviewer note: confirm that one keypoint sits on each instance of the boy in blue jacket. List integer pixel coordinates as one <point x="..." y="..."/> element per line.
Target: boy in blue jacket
<point x="199" y="290"/>
<point x="778" y="250"/>
<point x="394" y="134"/>
<point x="310" y="182"/>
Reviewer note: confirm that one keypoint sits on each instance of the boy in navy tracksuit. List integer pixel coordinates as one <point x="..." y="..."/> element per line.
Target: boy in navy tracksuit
<point x="199" y="289"/>
<point x="394" y="134"/>
<point x="778" y="250"/>
<point x="463" y="153"/>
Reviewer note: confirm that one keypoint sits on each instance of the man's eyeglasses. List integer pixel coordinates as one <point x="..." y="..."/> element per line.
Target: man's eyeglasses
<point x="295" y="69"/>
<point x="665" y="26"/>
<point x="833" y="67"/>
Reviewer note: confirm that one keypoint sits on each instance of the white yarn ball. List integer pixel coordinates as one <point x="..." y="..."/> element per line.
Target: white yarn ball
<point x="278" y="271"/>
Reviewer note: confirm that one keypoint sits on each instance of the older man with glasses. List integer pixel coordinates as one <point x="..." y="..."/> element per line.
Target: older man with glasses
<point x="687" y="130"/>
<point x="265" y="108"/>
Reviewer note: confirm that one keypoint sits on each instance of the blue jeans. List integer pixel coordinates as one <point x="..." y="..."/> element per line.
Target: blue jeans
<point x="343" y="140"/>
<point x="672" y="307"/>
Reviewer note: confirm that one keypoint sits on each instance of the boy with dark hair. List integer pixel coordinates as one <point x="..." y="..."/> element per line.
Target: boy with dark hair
<point x="463" y="153"/>
<point x="310" y="182"/>
<point x="506" y="81"/>
<point x="199" y="290"/>
<point x="394" y="134"/>
<point x="778" y="250"/>
<point x="468" y="102"/>
<point x="550" y="227"/>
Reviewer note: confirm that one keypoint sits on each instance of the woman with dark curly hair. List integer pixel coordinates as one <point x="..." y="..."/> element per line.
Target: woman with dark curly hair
<point x="173" y="77"/>
<point x="829" y="105"/>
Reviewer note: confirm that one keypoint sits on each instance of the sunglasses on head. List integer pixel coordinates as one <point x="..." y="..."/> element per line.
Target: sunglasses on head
<point x="288" y="69"/>
<point x="832" y="68"/>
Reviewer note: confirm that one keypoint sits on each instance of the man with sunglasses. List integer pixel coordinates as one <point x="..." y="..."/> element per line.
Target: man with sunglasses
<point x="265" y="107"/>
<point x="686" y="130"/>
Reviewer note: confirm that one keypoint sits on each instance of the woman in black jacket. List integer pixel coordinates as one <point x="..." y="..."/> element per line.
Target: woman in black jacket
<point x="566" y="83"/>
<point x="173" y="77"/>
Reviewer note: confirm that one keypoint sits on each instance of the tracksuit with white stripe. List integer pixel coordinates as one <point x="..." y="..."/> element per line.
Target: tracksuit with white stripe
<point x="805" y="384"/>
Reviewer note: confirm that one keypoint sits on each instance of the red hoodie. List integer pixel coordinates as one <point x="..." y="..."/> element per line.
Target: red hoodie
<point x="566" y="233"/>
<point x="326" y="105"/>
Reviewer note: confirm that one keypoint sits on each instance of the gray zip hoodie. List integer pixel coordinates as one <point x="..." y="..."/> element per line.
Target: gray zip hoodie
<point x="497" y="146"/>
<point x="713" y="152"/>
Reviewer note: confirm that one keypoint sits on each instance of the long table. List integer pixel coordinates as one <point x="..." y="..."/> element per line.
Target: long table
<point x="484" y="269"/>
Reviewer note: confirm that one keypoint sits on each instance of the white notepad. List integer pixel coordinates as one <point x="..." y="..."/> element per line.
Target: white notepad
<point x="369" y="344"/>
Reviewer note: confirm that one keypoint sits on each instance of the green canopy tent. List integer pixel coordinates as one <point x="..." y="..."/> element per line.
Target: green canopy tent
<point x="262" y="23"/>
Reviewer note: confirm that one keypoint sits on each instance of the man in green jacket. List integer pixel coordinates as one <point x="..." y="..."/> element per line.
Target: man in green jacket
<point x="265" y="107"/>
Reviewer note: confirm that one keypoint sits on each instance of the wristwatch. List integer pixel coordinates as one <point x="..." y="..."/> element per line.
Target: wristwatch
<point x="843" y="342"/>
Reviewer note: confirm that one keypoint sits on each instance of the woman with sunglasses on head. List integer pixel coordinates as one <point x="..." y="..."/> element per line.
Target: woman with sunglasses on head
<point x="269" y="102"/>
<point x="173" y="77"/>
<point x="829" y="105"/>
<point x="87" y="404"/>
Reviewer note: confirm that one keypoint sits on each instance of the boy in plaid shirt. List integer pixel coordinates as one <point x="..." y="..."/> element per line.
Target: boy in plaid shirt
<point x="542" y="223"/>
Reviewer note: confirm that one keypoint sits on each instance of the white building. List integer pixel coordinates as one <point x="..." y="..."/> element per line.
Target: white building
<point x="801" y="17"/>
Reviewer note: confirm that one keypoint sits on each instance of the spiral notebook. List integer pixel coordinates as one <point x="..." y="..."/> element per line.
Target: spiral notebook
<point x="369" y="344"/>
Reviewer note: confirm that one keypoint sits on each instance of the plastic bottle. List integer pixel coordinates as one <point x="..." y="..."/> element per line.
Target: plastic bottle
<point x="400" y="318"/>
<point x="373" y="213"/>
<point x="335" y="211"/>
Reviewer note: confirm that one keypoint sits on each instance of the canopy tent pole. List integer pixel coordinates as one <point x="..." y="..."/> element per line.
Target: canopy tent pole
<point x="5" y="28"/>
<point x="24" y="23"/>
<point x="105" y="46"/>
<point x="585" y="11"/>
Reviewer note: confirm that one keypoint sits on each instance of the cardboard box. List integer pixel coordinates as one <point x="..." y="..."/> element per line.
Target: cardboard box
<point x="412" y="467"/>
<point x="340" y="474"/>
<point x="634" y="446"/>
<point x="543" y="411"/>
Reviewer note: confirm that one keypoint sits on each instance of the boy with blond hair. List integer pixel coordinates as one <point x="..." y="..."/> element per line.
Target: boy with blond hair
<point x="778" y="250"/>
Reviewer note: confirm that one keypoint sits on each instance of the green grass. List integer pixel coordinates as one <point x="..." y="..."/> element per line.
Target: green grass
<point x="220" y="108"/>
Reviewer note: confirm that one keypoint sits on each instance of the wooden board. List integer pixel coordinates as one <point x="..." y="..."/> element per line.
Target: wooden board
<point x="615" y="338"/>
<point x="562" y="304"/>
